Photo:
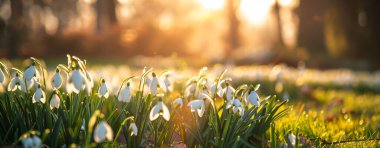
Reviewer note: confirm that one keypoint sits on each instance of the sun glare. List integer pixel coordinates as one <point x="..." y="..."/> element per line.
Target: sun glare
<point x="255" y="11"/>
<point x="211" y="4"/>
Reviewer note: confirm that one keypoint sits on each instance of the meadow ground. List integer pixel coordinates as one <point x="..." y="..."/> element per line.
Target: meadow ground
<point x="243" y="106"/>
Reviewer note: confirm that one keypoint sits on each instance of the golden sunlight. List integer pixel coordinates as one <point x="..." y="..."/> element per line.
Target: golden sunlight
<point x="211" y="4"/>
<point x="255" y="11"/>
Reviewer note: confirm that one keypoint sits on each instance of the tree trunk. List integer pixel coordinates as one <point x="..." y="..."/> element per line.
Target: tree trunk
<point x="233" y="27"/>
<point x="106" y="15"/>
<point x="16" y="27"/>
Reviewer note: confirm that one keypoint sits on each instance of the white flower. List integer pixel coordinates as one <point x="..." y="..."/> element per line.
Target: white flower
<point x="125" y="94"/>
<point x="103" y="90"/>
<point x="236" y="106"/>
<point x="168" y="86"/>
<point x="102" y="132"/>
<point x="154" y="84"/>
<point x="219" y="90"/>
<point x="83" y="125"/>
<point x="27" y="142"/>
<point x="55" y="101"/>
<point x="252" y="99"/>
<point x="159" y="109"/>
<point x="32" y="82"/>
<point x="179" y="102"/>
<point x="197" y="105"/>
<point x="292" y="138"/>
<point x="16" y="83"/>
<point x="2" y="76"/>
<point x="31" y="72"/>
<point x="76" y="81"/>
<point x="36" y="141"/>
<point x="89" y="83"/>
<point x="191" y="88"/>
<point x="56" y="80"/>
<point x="133" y="129"/>
<point x="39" y="95"/>
<point x="31" y="142"/>
<point x="229" y="91"/>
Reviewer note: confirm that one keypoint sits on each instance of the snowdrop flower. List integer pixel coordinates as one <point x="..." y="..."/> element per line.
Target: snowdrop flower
<point x="159" y="109"/>
<point x="125" y="94"/>
<point x="31" y="83"/>
<point x="292" y="138"/>
<point x="154" y="84"/>
<point x="218" y="88"/>
<point x="236" y="106"/>
<point x="229" y="91"/>
<point x="31" y="72"/>
<point x="252" y="99"/>
<point x="168" y="86"/>
<point x="103" y="90"/>
<point x="133" y="129"/>
<point x="179" y="102"/>
<point x="76" y="81"/>
<point x="191" y="88"/>
<point x="56" y="80"/>
<point x="102" y="132"/>
<point x="89" y="83"/>
<point x="16" y="83"/>
<point x="83" y="125"/>
<point x="197" y="105"/>
<point x="2" y="77"/>
<point x="55" y="101"/>
<point x="31" y="142"/>
<point x="39" y="95"/>
<point x="27" y="142"/>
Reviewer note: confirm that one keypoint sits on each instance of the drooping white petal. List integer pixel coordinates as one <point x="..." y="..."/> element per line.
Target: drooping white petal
<point x="125" y="94"/>
<point x="55" y="101"/>
<point x="103" y="132"/>
<point x="253" y="99"/>
<point x="12" y="84"/>
<point x="27" y="142"/>
<point x="56" y="81"/>
<point x="179" y="102"/>
<point x="292" y="138"/>
<point x="32" y="82"/>
<point x="89" y="82"/>
<point x="165" y="113"/>
<point x="229" y="104"/>
<point x="31" y="72"/>
<point x="133" y="129"/>
<point x="190" y="89"/>
<point x="39" y="96"/>
<point x="76" y="81"/>
<point x="103" y="90"/>
<point x="2" y="77"/>
<point x="159" y="109"/>
<point x="219" y="90"/>
<point x="197" y="105"/>
<point x="201" y="110"/>
<point x="229" y="91"/>
<point x="154" y="113"/>
<point x="154" y="85"/>
<point x="36" y="141"/>
<point x="168" y="84"/>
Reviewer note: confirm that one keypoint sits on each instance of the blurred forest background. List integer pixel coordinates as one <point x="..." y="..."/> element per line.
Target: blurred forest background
<point x="324" y="33"/>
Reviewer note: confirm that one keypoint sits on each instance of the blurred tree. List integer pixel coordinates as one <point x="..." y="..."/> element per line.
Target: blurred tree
<point x="279" y="44"/>
<point x="16" y="27"/>
<point x="311" y="25"/>
<point x="233" y="26"/>
<point x="106" y="14"/>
